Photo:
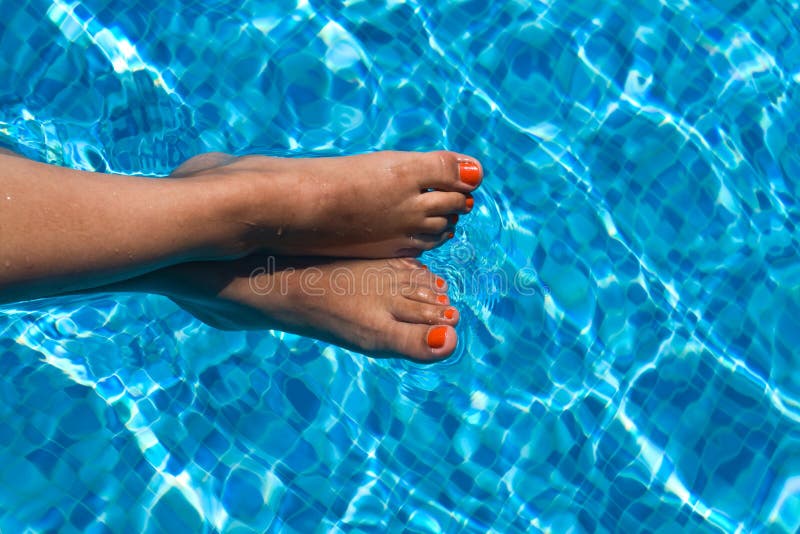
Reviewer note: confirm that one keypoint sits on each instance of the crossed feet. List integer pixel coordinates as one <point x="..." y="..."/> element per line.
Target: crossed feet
<point x="303" y="217"/>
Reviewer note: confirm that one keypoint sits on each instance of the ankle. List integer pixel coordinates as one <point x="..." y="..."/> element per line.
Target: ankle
<point x="223" y="207"/>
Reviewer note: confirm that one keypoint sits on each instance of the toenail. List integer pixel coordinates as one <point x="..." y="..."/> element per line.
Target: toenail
<point x="451" y="235"/>
<point x="439" y="283"/>
<point x="469" y="172"/>
<point x="437" y="336"/>
<point x="449" y="313"/>
<point x="441" y="299"/>
<point x="452" y="219"/>
<point x="470" y="202"/>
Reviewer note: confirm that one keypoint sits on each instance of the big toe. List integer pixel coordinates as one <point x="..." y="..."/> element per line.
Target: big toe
<point x="423" y="343"/>
<point x="450" y="171"/>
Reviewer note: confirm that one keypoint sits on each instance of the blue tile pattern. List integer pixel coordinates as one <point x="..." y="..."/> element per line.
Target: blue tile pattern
<point x="629" y="284"/>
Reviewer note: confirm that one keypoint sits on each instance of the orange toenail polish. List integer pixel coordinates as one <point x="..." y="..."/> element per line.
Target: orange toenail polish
<point x="437" y="336"/>
<point x="469" y="172"/>
<point x="439" y="283"/>
<point x="452" y="219"/>
<point x="441" y="299"/>
<point x="470" y="202"/>
<point x="451" y="235"/>
<point x="449" y="313"/>
<point x="424" y="267"/>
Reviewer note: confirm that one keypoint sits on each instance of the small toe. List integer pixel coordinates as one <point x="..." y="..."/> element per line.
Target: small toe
<point x="434" y="225"/>
<point x="422" y="293"/>
<point x="410" y="311"/>
<point x="442" y="203"/>
<point x="422" y="278"/>
<point x="425" y="242"/>
<point x="437" y="225"/>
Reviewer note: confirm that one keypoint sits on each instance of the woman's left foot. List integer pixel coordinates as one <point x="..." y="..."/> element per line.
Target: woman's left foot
<point x="379" y="205"/>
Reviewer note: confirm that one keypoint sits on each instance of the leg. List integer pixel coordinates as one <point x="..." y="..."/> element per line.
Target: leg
<point x="64" y="229"/>
<point x="381" y="308"/>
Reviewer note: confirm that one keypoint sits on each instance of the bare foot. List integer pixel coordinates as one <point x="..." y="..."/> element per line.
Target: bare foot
<point x="381" y="308"/>
<point x="385" y="204"/>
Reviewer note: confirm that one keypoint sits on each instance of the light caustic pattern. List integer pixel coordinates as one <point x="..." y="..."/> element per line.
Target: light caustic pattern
<point x="628" y="281"/>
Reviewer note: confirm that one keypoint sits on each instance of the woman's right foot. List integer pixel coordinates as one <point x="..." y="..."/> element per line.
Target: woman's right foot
<point x="379" y="205"/>
<point x="381" y="308"/>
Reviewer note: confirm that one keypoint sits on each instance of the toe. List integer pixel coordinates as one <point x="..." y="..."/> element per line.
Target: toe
<point x="437" y="225"/>
<point x="469" y="202"/>
<point x="439" y="170"/>
<point x="470" y="171"/>
<point x="450" y="171"/>
<point x="411" y="280"/>
<point x="414" y="245"/>
<point x="442" y="299"/>
<point x="410" y="311"/>
<point x="423" y="343"/>
<point x="440" y="342"/>
<point x="437" y="283"/>
<point x="421" y="293"/>
<point x="438" y="203"/>
<point x="429" y="241"/>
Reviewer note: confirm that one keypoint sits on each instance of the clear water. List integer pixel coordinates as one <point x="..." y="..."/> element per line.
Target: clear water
<point x="628" y="363"/>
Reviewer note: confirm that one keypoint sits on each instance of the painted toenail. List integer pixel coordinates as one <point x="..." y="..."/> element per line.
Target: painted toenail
<point x="452" y="219"/>
<point x="439" y="283"/>
<point x="469" y="172"/>
<point x="451" y="235"/>
<point x="470" y="202"/>
<point x="437" y="336"/>
<point x="449" y="313"/>
<point x="441" y="299"/>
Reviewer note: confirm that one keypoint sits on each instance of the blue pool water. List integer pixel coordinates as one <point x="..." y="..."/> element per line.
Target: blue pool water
<point x="627" y="363"/>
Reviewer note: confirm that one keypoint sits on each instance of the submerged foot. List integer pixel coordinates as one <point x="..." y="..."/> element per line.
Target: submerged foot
<point x="381" y="308"/>
<point x="384" y="204"/>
